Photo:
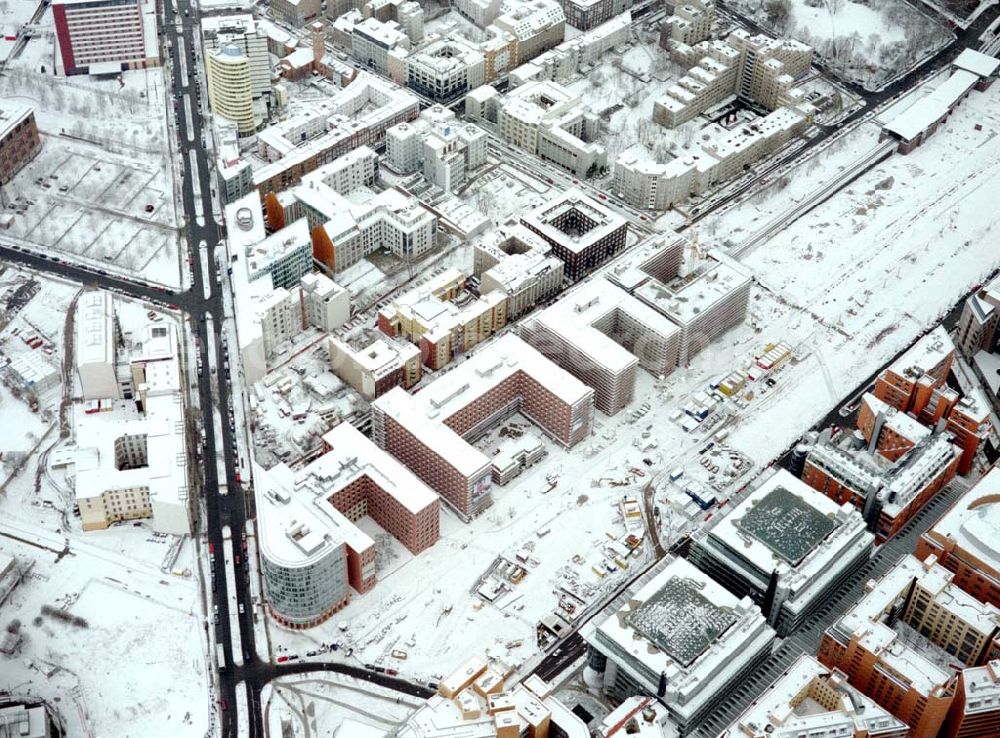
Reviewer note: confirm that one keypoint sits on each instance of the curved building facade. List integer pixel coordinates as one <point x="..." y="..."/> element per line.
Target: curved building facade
<point x="305" y="575"/>
<point x="230" y="89"/>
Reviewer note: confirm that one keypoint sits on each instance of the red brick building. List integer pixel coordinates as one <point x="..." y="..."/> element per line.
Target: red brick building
<point x="19" y="141"/>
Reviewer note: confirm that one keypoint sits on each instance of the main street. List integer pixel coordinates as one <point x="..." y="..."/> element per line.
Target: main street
<point x="232" y="510"/>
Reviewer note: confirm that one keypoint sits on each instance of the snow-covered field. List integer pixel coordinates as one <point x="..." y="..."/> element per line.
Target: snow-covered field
<point x="334" y="703"/>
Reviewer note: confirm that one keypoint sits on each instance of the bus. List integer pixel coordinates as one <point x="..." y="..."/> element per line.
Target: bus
<point x="220" y="656"/>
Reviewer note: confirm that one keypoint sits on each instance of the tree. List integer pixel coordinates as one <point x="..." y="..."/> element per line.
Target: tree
<point x="778" y="13"/>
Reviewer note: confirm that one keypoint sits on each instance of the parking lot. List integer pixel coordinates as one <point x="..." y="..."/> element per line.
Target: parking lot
<point x="100" y="207"/>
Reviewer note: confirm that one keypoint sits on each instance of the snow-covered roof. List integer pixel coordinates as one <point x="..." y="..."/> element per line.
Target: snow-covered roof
<point x="599" y="220"/>
<point x="95" y="342"/>
<point x="426" y="413"/>
<point x="931" y="108"/>
<point x="981" y="685"/>
<point x="896" y="420"/>
<point x="925" y="355"/>
<point x="809" y="699"/>
<point x="977" y="62"/>
<point x="684" y="299"/>
<point x="973" y="522"/>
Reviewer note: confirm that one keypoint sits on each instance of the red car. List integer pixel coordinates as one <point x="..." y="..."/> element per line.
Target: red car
<point x="223" y="705"/>
<point x="282" y="659"/>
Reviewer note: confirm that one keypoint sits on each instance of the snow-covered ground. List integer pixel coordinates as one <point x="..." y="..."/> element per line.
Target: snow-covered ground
<point x="867" y="42"/>
<point x="334" y="704"/>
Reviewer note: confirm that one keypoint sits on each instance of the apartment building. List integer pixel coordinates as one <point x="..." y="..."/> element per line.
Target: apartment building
<point x="787" y="547"/>
<point x="587" y="14"/>
<point x="679" y="636"/>
<point x="302" y="513"/>
<point x="690" y="23"/>
<point x="897" y="644"/>
<point x="964" y="540"/>
<point x="517" y="262"/>
<point x="372" y="41"/>
<point x="372" y="364"/>
<point x="582" y="233"/>
<point x="536" y="25"/>
<point x="326" y="304"/>
<point x="975" y="711"/>
<point x="431" y="432"/>
<point x="19" y="141"/>
<point x="977" y="327"/>
<point x="888" y="493"/>
<point x="130" y="458"/>
<point x="105" y="36"/>
<point x="758" y="69"/>
<point x="546" y="119"/>
<point x="295" y="13"/>
<point x="888" y="431"/>
<point x="573" y="56"/>
<point x="474" y="702"/>
<point x="443" y="148"/>
<point x="809" y="699"/>
<point x="357" y="115"/>
<point x="443" y="318"/>
<point x="601" y="335"/>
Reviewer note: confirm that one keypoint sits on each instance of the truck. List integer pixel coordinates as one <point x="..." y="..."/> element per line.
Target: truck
<point x="220" y="656"/>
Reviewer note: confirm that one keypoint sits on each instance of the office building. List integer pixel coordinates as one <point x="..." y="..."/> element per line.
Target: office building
<point x="536" y="25"/>
<point x="444" y="69"/>
<point x="679" y="636"/>
<point x="372" y="364"/>
<point x="975" y="711"/>
<point x="19" y="141"/>
<point x="443" y="318"/>
<point x="704" y="301"/>
<point x="250" y="37"/>
<point x="431" y="432"/>
<point x="440" y="146"/>
<point x="546" y="119"/>
<point x="130" y="457"/>
<point x="787" y="547"/>
<point x="809" y="699"/>
<point x="307" y="522"/>
<point x="519" y="263"/>
<point x="636" y="717"/>
<point x="888" y="493"/>
<point x="965" y="540"/>
<point x="601" y="335"/>
<point x="474" y="702"/>
<point x="230" y="94"/>
<point x="105" y="36"/>
<point x="899" y="642"/>
<point x="582" y="233"/>
<point x="357" y="115"/>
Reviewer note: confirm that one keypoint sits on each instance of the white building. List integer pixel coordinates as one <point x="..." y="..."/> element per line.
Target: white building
<point x="444" y="148"/>
<point x="537" y="25"/>
<point x="347" y="173"/>
<point x="250" y="37"/>
<point x="327" y="304"/>
<point x="372" y="41"/>
<point x="519" y="263"/>
<point x="443" y="69"/>
<point x="97" y="337"/>
<point x="546" y="119"/>
<point x="680" y="636"/>
<point x="691" y="23"/>
<point x="130" y="460"/>
<point x="601" y="335"/>
<point x="576" y="54"/>
<point x="787" y="546"/>
<point x="373" y="364"/>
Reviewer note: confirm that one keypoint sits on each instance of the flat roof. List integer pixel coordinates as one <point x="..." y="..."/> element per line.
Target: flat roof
<point x="977" y="62"/>
<point x="95" y="342"/>
<point x="932" y="107"/>
<point x="683" y="299"/>
<point x="924" y="355"/>
<point x="973" y="522"/>
<point x="602" y="221"/>
<point x="679" y="620"/>
<point x="785" y="523"/>
<point x="903" y="424"/>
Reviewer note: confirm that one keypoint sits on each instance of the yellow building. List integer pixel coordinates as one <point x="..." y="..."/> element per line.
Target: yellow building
<point x="230" y="92"/>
